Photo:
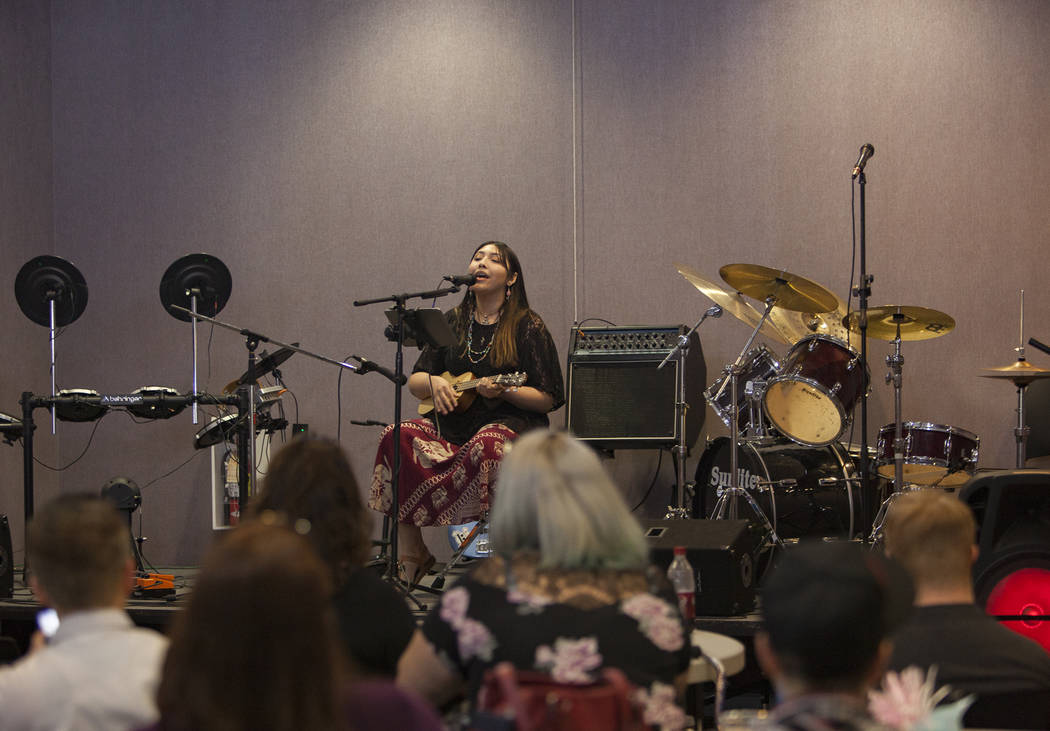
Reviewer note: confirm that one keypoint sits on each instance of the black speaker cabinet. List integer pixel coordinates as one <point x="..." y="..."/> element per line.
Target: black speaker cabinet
<point x="1012" y="509"/>
<point x="7" y="565"/>
<point x="617" y="399"/>
<point x="722" y="552"/>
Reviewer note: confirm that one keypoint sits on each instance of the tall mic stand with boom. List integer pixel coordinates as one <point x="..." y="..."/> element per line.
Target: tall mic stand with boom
<point x="427" y="329"/>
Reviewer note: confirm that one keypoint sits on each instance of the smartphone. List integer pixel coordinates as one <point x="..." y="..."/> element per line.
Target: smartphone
<point x="47" y="622"/>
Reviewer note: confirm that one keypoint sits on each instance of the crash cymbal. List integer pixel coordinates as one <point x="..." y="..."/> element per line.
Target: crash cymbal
<point x="916" y="323"/>
<point x="733" y="303"/>
<point x="1020" y="372"/>
<point x="264" y="366"/>
<point x="789" y="291"/>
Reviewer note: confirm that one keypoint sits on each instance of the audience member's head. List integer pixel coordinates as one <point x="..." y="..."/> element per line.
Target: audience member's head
<point x="553" y="496"/>
<point x="934" y="535"/>
<point x="256" y="646"/>
<point x="310" y="479"/>
<point x="828" y="609"/>
<point x="80" y="554"/>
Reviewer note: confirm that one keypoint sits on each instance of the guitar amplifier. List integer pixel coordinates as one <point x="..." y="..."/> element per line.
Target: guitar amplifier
<point x="617" y="399"/>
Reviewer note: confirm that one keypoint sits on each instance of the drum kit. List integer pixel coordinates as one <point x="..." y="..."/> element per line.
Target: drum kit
<point x="786" y="416"/>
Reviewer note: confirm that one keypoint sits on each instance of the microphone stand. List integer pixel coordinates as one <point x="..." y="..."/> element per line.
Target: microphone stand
<point x="863" y="291"/>
<point x="399" y="379"/>
<point x="677" y="508"/>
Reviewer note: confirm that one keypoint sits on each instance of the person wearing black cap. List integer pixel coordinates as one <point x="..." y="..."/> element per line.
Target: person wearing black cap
<point x="933" y="534"/>
<point x="828" y="610"/>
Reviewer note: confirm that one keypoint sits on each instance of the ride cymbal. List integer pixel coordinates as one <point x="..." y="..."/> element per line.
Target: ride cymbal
<point x="733" y="303"/>
<point x="916" y="323"/>
<point x="789" y="291"/>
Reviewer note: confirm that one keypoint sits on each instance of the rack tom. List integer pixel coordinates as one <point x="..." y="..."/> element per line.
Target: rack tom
<point x="812" y="400"/>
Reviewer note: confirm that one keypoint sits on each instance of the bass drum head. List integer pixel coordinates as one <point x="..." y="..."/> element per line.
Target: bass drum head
<point x="804" y="509"/>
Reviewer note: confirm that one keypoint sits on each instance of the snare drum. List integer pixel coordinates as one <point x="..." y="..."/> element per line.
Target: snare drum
<point x="934" y="454"/>
<point x="759" y="366"/>
<point x="801" y="490"/>
<point x="812" y="400"/>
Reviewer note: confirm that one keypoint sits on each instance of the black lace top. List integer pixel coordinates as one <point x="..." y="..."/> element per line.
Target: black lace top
<point x="537" y="358"/>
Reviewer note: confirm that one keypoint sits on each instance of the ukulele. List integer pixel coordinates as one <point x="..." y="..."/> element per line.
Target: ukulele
<point x="464" y="384"/>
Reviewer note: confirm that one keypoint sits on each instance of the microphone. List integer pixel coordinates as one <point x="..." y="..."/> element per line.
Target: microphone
<point x="367" y="366"/>
<point x="459" y="279"/>
<point x="1041" y="346"/>
<point x="867" y="151"/>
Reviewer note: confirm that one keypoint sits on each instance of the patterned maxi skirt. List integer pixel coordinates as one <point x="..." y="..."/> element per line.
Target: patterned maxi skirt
<point x="441" y="483"/>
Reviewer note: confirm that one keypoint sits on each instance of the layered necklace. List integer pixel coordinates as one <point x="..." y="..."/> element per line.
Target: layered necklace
<point x="476" y="356"/>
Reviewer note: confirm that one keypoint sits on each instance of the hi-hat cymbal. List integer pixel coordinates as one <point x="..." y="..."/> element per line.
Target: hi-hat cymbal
<point x="733" y="303"/>
<point x="1020" y="372"/>
<point x="263" y="367"/>
<point x="916" y="323"/>
<point x="789" y="291"/>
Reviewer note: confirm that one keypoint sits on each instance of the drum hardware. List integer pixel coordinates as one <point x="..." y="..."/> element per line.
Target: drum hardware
<point x="10" y="428"/>
<point x="759" y="366"/>
<point x="191" y="282"/>
<point x="1021" y="373"/>
<point x="681" y="448"/>
<point x="51" y="291"/>
<point x="776" y="288"/>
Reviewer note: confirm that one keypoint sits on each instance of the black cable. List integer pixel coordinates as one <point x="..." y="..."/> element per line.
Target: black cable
<point x="60" y="469"/>
<point x="196" y="453"/>
<point x="656" y="475"/>
<point x="339" y="403"/>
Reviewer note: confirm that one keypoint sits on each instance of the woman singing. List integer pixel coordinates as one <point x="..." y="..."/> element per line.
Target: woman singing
<point x="449" y="460"/>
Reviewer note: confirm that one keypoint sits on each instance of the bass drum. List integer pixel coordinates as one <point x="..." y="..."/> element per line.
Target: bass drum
<point x="804" y="508"/>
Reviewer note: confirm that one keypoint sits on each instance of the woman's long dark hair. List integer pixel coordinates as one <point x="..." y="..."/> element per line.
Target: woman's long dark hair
<point x="504" y="352"/>
<point x="257" y="646"/>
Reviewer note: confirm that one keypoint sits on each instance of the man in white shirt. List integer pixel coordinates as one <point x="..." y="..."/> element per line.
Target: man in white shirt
<point x="98" y="671"/>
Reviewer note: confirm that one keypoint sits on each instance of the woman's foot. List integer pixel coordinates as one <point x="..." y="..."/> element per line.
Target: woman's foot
<point x="415" y="567"/>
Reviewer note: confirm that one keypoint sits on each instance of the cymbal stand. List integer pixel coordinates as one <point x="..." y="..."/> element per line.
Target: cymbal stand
<point x="677" y="508"/>
<point x="1021" y="430"/>
<point x="896" y="364"/>
<point x="726" y="505"/>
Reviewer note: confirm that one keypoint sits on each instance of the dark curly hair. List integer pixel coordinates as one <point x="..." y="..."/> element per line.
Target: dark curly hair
<point x="311" y="479"/>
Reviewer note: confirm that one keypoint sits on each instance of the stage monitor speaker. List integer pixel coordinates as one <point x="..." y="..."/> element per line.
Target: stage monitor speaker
<point x="617" y="399"/>
<point x="1012" y="572"/>
<point x="722" y="553"/>
<point x="7" y="564"/>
